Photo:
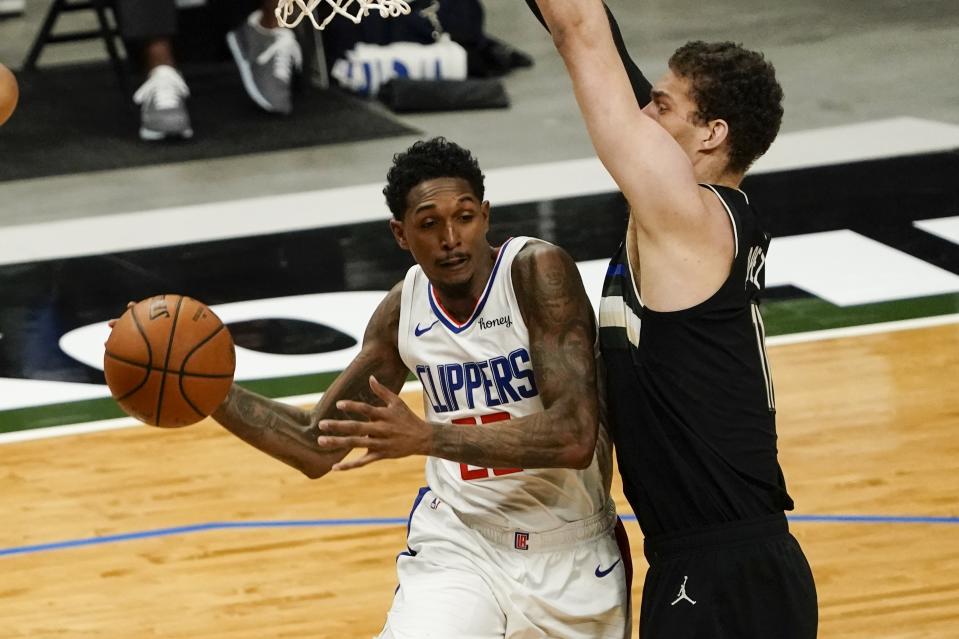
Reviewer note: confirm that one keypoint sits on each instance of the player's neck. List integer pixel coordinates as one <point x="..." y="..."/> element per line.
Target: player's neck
<point x="459" y="300"/>
<point x="720" y="178"/>
<point x="714" y="170"/>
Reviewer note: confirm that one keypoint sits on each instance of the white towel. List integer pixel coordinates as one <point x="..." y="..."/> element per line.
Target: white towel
<point x="366" y="67"/>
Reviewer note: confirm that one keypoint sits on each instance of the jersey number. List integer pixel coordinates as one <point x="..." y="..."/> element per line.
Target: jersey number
<point x="469" y="473"/>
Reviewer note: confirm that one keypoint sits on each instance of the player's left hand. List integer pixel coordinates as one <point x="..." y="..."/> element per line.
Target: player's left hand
<point x="392" y="430"/>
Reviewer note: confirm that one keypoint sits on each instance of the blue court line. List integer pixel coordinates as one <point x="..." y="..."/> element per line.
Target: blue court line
<point x="398" y="521"/>
<point x="874" y="519"/>
<point x="183" y="530"/>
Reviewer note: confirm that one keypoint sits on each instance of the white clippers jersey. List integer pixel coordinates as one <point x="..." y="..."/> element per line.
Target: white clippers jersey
<point x="481" y="372"/>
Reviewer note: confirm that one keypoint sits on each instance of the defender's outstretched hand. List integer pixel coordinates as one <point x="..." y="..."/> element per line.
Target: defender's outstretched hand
<point x="392" y="431"/>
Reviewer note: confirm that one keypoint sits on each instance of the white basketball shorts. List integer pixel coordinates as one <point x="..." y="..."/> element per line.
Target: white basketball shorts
<point x="462" y="581"/>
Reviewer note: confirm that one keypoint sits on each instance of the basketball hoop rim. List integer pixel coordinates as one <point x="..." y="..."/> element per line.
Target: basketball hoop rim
<point x="353" y="10"/>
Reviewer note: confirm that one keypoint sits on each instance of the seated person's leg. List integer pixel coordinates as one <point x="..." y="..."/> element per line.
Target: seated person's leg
<point x="487" y="56"/>
<point x="148" y="27"/>
<point x="266" y="55"/>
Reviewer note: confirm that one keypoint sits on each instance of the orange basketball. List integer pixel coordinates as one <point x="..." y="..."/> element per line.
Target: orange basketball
<point x="169" y="361"/>
<point x="9" y="93"/>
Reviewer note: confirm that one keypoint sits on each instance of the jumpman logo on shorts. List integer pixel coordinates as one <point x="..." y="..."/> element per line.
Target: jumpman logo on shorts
<point x="682" y="594"/>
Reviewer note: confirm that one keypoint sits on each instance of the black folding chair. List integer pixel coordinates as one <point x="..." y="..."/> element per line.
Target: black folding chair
<point x="105" y="31"/>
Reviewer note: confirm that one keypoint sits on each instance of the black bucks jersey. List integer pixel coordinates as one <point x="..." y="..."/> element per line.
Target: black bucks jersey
<point x="691" y="401"/>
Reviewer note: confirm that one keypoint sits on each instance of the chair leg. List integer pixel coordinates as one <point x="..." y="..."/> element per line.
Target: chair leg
<point x="107" y="34"/>
<point x="30" y="64"/>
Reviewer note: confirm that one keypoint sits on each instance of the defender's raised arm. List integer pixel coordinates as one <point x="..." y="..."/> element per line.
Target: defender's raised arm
<point x="648" y="166"/>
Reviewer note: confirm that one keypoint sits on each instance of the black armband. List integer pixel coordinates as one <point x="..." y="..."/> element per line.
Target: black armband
<point x="641" y="86"/>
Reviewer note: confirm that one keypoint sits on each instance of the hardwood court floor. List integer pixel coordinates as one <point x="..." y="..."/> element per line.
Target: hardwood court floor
<point x="867" y="427"/>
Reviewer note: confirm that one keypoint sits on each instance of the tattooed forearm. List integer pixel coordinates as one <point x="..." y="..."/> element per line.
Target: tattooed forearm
<point x="278" y="429"/>
<point x="537" y="441"/>
<point x="244" y="410"/>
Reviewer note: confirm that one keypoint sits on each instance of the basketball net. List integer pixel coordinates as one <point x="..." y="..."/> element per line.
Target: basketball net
<point x="291" y="12"/>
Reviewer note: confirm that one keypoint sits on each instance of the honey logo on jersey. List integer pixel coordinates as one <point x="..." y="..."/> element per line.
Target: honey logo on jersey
<point x="485" y="324"/>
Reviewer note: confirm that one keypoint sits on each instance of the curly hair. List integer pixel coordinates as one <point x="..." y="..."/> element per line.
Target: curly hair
<point x="737" y="85"/>
<point x="427" y="160"/>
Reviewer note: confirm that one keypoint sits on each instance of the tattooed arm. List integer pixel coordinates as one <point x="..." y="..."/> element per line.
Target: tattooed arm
<point x="289" y="433"/>
<point x="562" y="334"/>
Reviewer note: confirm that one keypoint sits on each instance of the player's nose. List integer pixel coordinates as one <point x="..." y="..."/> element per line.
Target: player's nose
<point x="450" y="238"/>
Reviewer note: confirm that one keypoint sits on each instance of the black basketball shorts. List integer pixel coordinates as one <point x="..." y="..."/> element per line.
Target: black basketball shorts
<point x="745" y="580"/>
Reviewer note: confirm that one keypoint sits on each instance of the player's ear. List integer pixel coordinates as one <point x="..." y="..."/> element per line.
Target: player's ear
<point x="716" y="132"/>
<point x="399" y="234"/>
<point x="484" y="211"/>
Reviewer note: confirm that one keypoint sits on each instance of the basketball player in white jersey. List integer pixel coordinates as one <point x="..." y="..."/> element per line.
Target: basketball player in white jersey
<point x="515" y="535"/>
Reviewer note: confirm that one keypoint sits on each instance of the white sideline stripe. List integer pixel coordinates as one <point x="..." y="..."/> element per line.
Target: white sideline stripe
<point x="893" y="137"/>
<point x="274" y="214"/>
<point x="68" y="429"/>
<point x="865" y="329"/>
<point x="129" y="422"/>
<point x="945" y="227"/>
<point x="24" y="393"/>
<point x="779" y="340"/>
<point x="364" y="203"/>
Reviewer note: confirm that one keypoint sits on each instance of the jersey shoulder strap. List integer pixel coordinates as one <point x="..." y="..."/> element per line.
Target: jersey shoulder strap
<point x="736" y="204"/>
<point x="406" y="307"/>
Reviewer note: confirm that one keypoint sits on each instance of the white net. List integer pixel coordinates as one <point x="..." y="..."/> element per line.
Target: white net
<point x="291" y="12"/>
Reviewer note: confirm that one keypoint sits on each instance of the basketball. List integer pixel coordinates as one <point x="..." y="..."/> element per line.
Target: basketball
<point x="169" y="361"/>
<point x="9" y="94"/>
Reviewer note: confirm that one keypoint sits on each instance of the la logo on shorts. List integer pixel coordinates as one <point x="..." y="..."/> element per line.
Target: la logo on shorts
<point x="521" y="541"/>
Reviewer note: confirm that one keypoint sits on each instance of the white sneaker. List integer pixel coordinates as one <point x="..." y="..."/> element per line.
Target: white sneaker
<point x="162" y="100"/>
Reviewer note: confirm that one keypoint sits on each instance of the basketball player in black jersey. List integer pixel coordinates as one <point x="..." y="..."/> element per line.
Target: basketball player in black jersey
<point x="690" y="396"/>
